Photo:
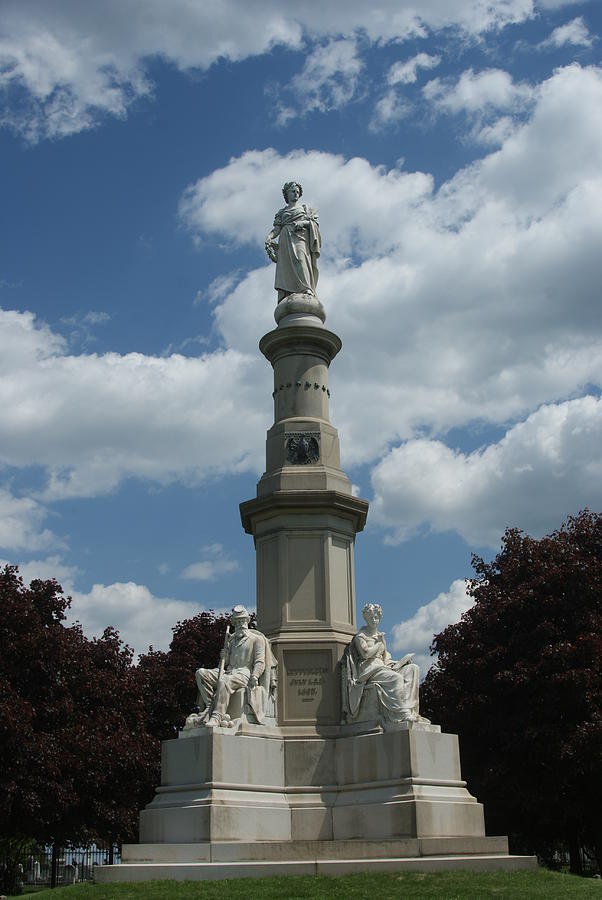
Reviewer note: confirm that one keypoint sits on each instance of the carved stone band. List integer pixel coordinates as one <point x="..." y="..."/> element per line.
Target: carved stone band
<point x="305" y="385"/>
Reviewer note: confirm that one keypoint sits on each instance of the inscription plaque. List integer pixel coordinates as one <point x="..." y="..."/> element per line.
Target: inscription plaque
<point x="309" y="684"/>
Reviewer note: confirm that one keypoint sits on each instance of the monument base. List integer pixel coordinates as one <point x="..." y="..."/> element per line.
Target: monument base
<point x="317" y="858"/>
<point x="343" y="799"/>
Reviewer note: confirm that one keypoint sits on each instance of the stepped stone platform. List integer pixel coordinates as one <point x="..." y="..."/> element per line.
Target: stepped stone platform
<point x="220" y="860"/>
<point x="265" y="801"/>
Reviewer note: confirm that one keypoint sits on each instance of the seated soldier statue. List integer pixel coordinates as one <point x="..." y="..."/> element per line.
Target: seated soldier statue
<point x="247" y="672"/>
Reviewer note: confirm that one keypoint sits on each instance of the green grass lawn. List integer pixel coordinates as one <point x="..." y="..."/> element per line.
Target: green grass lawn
<point x="448" y="885"/>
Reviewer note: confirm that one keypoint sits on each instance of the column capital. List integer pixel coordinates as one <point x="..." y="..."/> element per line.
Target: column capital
<point x="353" y="508"/>
<point x="300" y="340"/>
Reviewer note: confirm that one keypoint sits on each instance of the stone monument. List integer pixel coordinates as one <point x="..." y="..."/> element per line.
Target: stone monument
<point x="309" y="753"/>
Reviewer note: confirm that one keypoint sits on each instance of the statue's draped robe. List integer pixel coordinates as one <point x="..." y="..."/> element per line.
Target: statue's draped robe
<point x="397" y="690"/>
<point x="298" y="250"/>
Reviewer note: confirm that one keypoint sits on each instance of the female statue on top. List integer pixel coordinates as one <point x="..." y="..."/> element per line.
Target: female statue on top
<point x="298" y="248"/>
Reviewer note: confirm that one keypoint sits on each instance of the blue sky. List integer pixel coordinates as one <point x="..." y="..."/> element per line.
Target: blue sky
<point x="454" y="151"/>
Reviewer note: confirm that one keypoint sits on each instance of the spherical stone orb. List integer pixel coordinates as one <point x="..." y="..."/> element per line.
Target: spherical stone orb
<point x="299" y="309"/>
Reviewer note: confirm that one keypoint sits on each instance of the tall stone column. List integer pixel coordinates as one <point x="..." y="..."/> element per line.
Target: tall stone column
<point x="304" y="521"/>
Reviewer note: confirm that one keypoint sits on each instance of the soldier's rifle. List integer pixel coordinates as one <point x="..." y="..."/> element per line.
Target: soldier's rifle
<point x="220" y="669"/>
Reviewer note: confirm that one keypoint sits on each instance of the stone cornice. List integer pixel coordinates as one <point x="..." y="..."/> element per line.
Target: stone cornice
<point x="301" y="339"/>
<point x="330" y="501"/>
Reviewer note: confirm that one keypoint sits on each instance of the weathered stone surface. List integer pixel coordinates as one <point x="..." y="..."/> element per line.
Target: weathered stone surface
<point x="259" y="851"/>
<point x="300" y="309"/>
<point x="198" y="871"/>
<point x="286" y="785"/>
<point x="304" y="521"/>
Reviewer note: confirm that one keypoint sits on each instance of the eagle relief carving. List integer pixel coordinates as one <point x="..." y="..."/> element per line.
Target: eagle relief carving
<point x="303" y="448"/>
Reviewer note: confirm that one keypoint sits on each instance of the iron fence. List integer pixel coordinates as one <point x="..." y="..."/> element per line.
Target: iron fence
<point x="72" y="864"/>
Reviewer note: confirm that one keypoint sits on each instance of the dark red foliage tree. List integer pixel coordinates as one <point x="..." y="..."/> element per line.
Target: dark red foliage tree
<point x="79" y="724"/>
<point x="167" y="678"/>
<point x="76" y="760"/>
<point x="519" y="678"/>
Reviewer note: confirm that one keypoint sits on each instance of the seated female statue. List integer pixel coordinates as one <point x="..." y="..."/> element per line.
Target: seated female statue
<point x="368" y="665"/>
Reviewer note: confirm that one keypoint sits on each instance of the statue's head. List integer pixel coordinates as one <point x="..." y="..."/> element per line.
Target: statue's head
<point x="288" y="186"/>
<point x="240" y="617"/>
<point x="372" y="613"/>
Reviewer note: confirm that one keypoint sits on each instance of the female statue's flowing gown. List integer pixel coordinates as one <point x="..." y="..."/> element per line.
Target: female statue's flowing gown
<point x="299" y="245"/>
<point x="397" y="689"/>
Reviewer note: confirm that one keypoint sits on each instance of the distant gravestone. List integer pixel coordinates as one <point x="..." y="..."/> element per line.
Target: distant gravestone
<point x="70" y="874"/>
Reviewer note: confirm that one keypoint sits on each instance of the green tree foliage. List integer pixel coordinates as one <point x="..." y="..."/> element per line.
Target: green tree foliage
<point x="519" y="678"/>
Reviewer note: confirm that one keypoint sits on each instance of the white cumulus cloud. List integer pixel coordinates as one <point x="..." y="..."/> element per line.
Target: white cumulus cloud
<point x="394" y="106"/>
<point x="574" y="33"/>
<point x="21" y="524"/>
<point x="390" y="109"/>
<point x="415" y="635"/>
<point x="329" y="79"/>
<point x="64" y="66"/>
<point x="215" y="561"/>
<point x="491" y="89"/>
<point x="407" y="72"/>
<point x="541" y="470"/>
<point x="92" y="420"/>
<point x="46" y="569"/>
<point x="141" y="618"/>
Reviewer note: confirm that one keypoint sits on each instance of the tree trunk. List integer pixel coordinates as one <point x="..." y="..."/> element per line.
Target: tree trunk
<point x="598" y="847"/>
<point x="112" y="854"/>
<point x="54" y="865"/>
<point x="575" y="862"/>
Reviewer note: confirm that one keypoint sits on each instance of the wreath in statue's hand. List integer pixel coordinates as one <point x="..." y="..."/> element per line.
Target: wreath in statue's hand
<point x="271" y="249"/>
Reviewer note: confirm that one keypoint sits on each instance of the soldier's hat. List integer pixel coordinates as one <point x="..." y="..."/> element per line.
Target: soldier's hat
<point x="240" y="612"/>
